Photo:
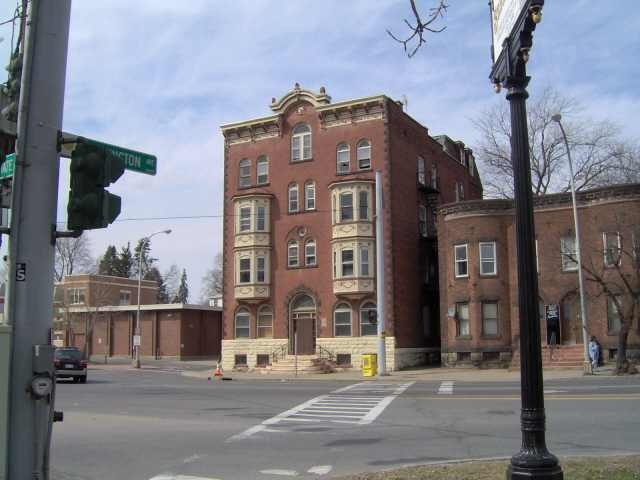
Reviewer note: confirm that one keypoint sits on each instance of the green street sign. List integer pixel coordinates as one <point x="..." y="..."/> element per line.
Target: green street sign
<point x="8" y="166"/>
<point x="134" y="161"/>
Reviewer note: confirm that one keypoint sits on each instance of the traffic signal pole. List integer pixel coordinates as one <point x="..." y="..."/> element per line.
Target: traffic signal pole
<point x="32" y="240"/>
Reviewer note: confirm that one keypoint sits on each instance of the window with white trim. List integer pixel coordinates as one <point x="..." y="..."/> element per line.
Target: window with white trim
<point x="261" y="263"/>
<point x="422" y="220"/>
<point x="245" y="219"/>
<point x="363" y="205"/>
<point x="434" y="177"/>
<point x="244" y="178"/>
<point x="613" y="316"/>
<point x="76" y="296"/>
<point x="347" y="262"/>
<point x="310" y="253"/>
<point x="292" y="254"/>
<point x="368" y="319"/>
<point x="363" y="154"/>
<point x="342" y="320"/>
<point x="568" y="254"/>
<point x="461" y="253"/>
<point x="125" y="297"/>
<point x="421" y="172"/>
<point x="459" y="191"/>
<point x="245" y="270"/>
<point x="346" y="207"/>
<point x="310" y="195"/>
<point x="462" y="319"/>
<point x="261" y="215"/>
<point x="265" y="322"/>
<point x="342" y="158"/>
<point x="293" y="198"/>
<point x="364" y="261"/>
<point x="301" y="143"/>
<point x="612" y="248"/>
<point x="490" y="319"/>
<point x="262" y="170"/>
<point x="243" y="323"/>
<point x="488" y="264"/>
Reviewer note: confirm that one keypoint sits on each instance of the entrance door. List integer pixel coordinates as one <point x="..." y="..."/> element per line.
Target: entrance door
<point x="570" y="322"/>
<point x="302" y="323"/>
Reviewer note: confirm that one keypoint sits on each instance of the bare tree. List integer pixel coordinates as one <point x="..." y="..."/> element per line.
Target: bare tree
<point x="419" y="27"/>
<point x="613" y="272"/>
<point x="212" y="281"/>
<point x="172" y="280"/>
<point x="73" y="255"/>
<point x="598" y="153"/>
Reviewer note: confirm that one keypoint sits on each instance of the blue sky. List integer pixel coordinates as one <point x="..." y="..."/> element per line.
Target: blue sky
<point x="161" y="77"/>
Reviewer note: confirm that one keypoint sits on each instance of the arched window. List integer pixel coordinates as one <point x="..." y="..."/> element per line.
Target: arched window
<point x="342" y="158"/>
<point x="342" y="320"/>
<point x="292" y="254"/>
<point x="243" y="321"/>
<point x="310" y="195"/>
<point x="310" y="253"/>
<point x="244" y="174"/>
<point x="262" y="170"/>
<point x="421" y="174"/>
<point x="293" y="198"/>
<point x="265" y="322"/>
<point x="364" y="154"/>
<point x="301" y="143"/>
<point x="368" y="319"/>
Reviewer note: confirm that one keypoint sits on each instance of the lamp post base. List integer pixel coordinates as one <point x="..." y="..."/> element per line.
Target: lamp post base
<point x="135" y="363"/>
<point x="587" y="368"/>
<point x="534" y="473"/>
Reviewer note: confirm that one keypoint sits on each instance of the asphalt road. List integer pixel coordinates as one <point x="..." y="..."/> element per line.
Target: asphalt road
<point x="162" y="426"/>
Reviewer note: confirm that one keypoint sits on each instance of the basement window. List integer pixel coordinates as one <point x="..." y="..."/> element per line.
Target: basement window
<point x="262" y="359"/>
<point x="464" y="356"/>
<point x="343" y="359"/>
<point x="241" y="360"/>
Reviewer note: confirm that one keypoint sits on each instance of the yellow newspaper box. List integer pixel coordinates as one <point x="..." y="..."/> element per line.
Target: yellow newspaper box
<point x="369" y="365"/>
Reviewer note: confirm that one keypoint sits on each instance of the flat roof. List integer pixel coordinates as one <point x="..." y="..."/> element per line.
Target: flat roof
<point x="144" y="308"/>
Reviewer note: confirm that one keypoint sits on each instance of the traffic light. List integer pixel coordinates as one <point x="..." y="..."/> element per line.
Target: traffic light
<point x="90" y="206"/>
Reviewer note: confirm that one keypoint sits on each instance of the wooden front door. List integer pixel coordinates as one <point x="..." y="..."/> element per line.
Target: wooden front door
<point x="306" y="337"/>
<point x="570" y="327"/>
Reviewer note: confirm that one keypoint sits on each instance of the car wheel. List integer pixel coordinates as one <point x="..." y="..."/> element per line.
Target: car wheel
<point x="83" y="379"/>
<point x="75" y="379"/>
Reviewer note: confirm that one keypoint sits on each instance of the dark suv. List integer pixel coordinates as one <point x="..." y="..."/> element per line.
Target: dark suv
<point x="68" y="362"/>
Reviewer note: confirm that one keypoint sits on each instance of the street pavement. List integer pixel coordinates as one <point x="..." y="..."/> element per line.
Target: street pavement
<point x="157" y="423"/>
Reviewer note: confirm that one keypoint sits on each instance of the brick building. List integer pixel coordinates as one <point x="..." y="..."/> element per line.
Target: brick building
<point x="478" y="271"/>
<point x="97" y="314"/>
<point x="299" y="233"/>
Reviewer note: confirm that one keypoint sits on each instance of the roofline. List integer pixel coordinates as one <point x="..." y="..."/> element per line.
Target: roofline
<point x="146" y="307"/>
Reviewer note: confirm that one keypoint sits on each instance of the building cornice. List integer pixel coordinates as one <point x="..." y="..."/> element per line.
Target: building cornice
<point x="143" y="308"/>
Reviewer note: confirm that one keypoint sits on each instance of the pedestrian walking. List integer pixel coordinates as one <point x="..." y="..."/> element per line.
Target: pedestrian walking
<point x="594" y="352"/>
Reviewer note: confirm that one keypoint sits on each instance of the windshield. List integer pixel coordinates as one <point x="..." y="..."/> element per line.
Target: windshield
<point x="68" y="354"/>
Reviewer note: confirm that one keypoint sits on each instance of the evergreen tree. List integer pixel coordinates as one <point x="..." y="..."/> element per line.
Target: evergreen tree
<point x="172" y="280"/>
<point x="182" y="296"/>
<point x="154" y="274"/>
<point x="125" y="262"/>
<point x="109" y="262"/>
<point x="143" y="248"/>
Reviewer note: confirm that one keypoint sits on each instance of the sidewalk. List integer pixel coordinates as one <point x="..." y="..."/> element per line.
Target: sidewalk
<point x="205" y="368"/>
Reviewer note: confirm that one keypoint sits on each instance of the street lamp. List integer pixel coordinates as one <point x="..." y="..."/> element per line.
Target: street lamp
<point x="583" y="310"/>
<point x="143" y="241"/>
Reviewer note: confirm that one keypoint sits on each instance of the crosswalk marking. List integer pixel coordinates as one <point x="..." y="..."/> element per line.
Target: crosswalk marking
<point x="446" y="388"/>
<point x="357" y="404"/>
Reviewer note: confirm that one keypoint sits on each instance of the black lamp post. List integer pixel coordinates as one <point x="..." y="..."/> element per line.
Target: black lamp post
<point x="533" y="461"/>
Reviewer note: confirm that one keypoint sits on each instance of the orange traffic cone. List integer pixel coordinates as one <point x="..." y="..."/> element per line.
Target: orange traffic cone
<point x="218" y="372"/>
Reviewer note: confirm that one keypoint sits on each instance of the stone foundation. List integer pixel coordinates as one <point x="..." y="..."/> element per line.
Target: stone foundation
<point x="358" y="346"/>
<point x="250" y="347"/>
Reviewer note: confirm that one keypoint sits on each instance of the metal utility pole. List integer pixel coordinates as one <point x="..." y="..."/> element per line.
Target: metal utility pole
<point x="583" y="304"/>
<point x="533" y="461"/>
<point x="382" y="357"/>
<point x="32" y="240"/>
<point x="138" y="341"/>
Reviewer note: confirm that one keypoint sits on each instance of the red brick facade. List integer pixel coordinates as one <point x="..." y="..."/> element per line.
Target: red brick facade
<point x="612" y="210"/>
<point x="260" y="270"/>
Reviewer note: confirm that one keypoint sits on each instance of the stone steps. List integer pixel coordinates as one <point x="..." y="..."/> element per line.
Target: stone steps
<point x="305" y="364"/>
<point x="563" y="357"/>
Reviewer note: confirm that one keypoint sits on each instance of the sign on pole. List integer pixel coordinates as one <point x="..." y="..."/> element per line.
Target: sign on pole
<point x="133" y="160"/>
<point x="504" y="14"/>
<point x="8" y="167"/>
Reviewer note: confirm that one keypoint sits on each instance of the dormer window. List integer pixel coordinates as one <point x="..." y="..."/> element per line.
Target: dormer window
<point x="301" y="143"/>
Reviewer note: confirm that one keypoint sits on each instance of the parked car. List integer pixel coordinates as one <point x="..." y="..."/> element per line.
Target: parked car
<point x="69" y="364"/>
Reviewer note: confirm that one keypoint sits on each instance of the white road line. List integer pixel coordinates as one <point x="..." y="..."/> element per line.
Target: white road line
<point x="320" y="469"/>
<point x="171" y="476"/>
<point x="446" y="388"/>
<point x="357" y="404"/>
<point x="277" y="471"/>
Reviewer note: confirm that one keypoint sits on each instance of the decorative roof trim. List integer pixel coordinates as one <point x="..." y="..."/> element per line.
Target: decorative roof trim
<point x="353" y="103"/>
<point x="298" y="94"/>
<point x="254" y="122"/>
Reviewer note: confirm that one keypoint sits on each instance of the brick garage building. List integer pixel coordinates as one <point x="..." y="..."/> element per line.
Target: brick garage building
<point x="299" y="235"/>
<point x="478" y="271"/>
<point x="101" y="310"/>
